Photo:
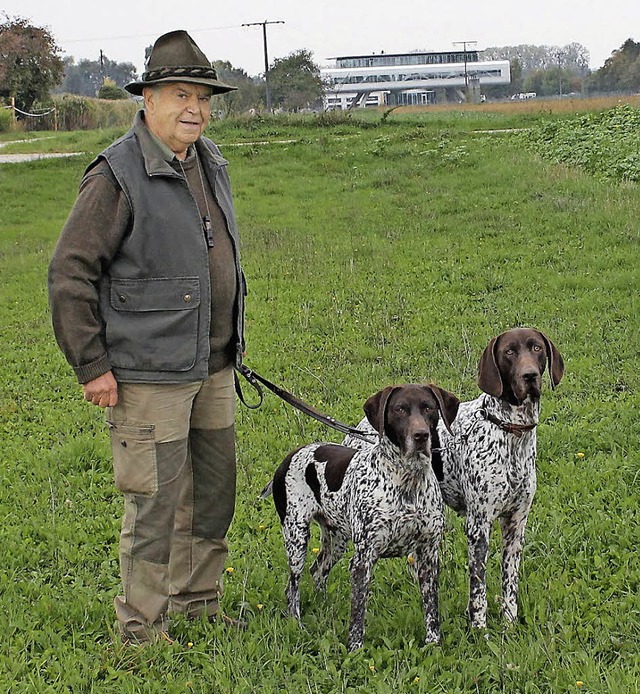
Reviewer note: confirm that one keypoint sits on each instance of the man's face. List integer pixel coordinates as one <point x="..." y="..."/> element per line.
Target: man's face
<point x="177" y="113"/>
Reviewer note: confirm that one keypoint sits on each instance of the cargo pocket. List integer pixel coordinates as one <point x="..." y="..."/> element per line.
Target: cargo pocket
<point x="134" y="458"/>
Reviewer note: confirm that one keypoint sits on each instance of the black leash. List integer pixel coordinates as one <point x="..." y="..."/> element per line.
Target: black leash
<point x="255" y="380"/>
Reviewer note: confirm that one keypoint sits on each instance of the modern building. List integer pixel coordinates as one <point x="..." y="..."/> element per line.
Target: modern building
<point x="398" y="79"/>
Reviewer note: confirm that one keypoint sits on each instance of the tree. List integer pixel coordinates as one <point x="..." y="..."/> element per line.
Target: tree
<point x="247" y="96"/>
<point x="295" y="82"/>
<point x="574" y="56"/>
<point x="620" y="72"/>
<point x="30" y="66"/>
<point x="546" y="70"/>
<point x="88" y="76"/>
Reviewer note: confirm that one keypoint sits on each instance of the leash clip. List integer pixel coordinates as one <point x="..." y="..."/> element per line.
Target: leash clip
<point x="253" y="381"/>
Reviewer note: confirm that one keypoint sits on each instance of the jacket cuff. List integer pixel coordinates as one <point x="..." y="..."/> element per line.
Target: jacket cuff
<point x="87" y="372"/>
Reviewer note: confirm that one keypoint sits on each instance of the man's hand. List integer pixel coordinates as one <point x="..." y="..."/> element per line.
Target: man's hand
<point x="102" y="391"/>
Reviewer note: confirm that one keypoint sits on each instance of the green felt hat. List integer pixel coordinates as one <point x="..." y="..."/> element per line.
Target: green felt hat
<point x="175" y="57"/>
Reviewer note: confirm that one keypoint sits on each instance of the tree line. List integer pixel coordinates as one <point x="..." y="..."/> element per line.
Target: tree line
<point x="31" y="69"/>
<point x="561" y="70"/>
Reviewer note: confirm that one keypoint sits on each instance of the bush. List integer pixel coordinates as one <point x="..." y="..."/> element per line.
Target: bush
<point x="86" y="113"/>
<point x="111" y="91"/>
<point x="6" y="120"/>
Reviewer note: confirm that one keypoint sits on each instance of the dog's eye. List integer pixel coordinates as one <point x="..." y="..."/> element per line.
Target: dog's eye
<point x="510" y="352"/>
<point x="537" y="348"/>
<point x="402" y="409"/>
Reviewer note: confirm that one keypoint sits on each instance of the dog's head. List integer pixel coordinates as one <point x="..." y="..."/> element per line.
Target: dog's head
<point x="408" y="414"/>
<point x="512" y="365"/>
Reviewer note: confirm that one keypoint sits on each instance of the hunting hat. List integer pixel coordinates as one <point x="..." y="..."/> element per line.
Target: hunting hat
<point x="175" y="57"/>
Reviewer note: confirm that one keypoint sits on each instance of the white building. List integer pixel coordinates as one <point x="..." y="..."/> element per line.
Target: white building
<point x="408" y="78"/>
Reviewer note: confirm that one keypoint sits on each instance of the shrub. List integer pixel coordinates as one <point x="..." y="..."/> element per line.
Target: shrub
<point x="6" y="120"/>
<point x="111" y="91"/>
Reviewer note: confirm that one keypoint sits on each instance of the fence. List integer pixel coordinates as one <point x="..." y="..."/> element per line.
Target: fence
<point x="70" y="112"/>
<point x="40" y="119"/>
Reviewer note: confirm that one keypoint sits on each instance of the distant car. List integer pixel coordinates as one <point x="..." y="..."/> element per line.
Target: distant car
<point x="524" y="95"/>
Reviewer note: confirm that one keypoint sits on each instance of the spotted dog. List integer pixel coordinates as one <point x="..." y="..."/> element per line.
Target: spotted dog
<point x="386" y="499"/>
<point x="489" y="457"/>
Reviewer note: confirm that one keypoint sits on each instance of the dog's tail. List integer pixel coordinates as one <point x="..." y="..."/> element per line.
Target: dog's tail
<point x="267" y="491"/>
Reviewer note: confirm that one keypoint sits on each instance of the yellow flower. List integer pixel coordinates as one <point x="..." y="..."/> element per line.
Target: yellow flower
<point x="579" y="683"/>
<point x="315" y="550"/>
<point x="580" y="455"/>
<point x="372" y="668"/>
<point x="230" y="569"/>
<point x="416" y="680"/>
<point x="190" y="644"/>
<point x="411" y="559"/>
<point x="259" y="605"/>
<point x="261" y="527"/>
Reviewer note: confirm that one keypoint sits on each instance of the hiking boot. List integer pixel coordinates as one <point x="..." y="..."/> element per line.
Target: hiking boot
<point x="146" y="636"/>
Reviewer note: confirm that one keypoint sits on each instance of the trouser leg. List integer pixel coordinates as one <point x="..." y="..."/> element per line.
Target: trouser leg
<point x="149" y="441"/>
<point x="207" y="502"/>
<point x="205" y="511"/>
<point x="145" y="545"/>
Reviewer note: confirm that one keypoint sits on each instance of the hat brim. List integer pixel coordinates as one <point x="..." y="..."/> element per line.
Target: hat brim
<point x="216" y="86"/>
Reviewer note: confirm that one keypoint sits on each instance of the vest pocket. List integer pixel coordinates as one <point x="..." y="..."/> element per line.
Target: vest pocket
<point x="133" y="449"/>
<point x="153" y="323"/>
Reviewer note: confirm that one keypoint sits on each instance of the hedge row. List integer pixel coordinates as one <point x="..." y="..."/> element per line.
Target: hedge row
<point x="74" y="112"/>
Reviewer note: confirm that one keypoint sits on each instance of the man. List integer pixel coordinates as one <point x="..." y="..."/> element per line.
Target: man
<point x="147" y="300"/>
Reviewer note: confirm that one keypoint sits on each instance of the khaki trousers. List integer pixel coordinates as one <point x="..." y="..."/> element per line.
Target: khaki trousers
<point x="173" y="450"/>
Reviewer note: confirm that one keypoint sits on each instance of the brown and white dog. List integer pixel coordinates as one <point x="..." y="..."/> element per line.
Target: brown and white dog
<point x="489" y="462"/>
<point x="385" y="498"/>
<point x="487" y="465"/>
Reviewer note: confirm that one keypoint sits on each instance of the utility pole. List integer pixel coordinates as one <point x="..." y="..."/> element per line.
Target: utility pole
<point x="102" y="56"/>
<point x="266" y="55"/>
<point x="466" y="76"/>
<point x="559" y="56"/>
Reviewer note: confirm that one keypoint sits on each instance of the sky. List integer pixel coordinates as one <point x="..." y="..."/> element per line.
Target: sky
<point x="122" y="29"/>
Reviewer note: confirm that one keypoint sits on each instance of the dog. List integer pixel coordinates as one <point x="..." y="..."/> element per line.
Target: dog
<point x="386" y="499"/>
<point x="487" y="461"/>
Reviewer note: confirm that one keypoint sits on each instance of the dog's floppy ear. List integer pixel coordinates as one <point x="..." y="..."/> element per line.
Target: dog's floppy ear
<point x="448" y="404"/>
<point x="555" y="362"/>
<point x="489" y="379"/>
<point x="376" y="406"/>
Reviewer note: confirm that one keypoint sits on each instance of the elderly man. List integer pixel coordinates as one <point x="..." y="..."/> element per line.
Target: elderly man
<point x="147" y="300"/>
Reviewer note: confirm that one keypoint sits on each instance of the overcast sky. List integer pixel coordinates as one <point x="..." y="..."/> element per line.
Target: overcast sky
<point x="123" y="28"/>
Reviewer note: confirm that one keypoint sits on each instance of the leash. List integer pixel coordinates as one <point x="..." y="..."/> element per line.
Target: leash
<point x="254" y="379"/>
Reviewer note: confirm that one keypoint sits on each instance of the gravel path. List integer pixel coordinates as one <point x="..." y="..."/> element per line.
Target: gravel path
<point x="33" y="156"/>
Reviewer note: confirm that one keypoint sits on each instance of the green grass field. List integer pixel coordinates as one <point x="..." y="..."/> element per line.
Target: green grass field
<point x="378" y="250"/>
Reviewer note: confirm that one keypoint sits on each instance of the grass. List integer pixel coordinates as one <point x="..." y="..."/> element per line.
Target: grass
<point x="377" y="251"/>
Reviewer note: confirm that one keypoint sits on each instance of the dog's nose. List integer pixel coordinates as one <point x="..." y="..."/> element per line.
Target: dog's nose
<point x="530" y="376"/>
<point x="421" y="436"/>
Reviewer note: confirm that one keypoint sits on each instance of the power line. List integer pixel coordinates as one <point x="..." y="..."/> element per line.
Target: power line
<point x="142" y="36"/>
<point x="266" y="56"/>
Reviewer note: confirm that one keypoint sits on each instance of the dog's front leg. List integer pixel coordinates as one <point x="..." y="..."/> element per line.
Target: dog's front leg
<point x="428" y="574"/>
<point x="478" y="530"/>
<point x="361" y="567"/>
<point x="513" y="528"/>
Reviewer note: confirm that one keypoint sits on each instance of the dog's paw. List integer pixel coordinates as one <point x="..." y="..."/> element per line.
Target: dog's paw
<point x="432" y="637"/>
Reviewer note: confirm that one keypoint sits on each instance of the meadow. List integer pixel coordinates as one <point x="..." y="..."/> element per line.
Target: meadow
<point x="379" y="248"/>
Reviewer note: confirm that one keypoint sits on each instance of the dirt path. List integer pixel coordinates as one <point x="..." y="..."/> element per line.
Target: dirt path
<point x="32" y="156"/>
